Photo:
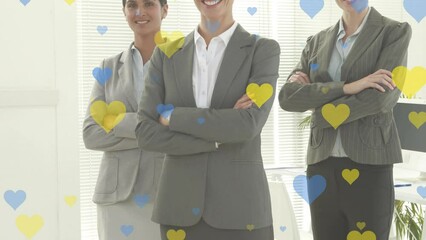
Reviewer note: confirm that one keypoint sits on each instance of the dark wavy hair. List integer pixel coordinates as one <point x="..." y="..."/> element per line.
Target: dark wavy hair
<point x="162" y="2"/>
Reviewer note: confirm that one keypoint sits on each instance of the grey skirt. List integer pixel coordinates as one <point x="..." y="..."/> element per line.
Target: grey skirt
<point x="203" y="231"/>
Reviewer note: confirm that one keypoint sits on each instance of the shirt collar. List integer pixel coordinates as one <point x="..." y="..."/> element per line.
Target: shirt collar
<point x="225" y="36"/>
<point x="137" y="58"/>
<point x="342" y="28"/>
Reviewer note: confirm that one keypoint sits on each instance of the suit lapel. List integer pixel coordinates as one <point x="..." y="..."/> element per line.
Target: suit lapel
<point x="325" y="52"/>
<point x="125" y="74"/>
<point x="372" y="29"/>
<point x="183" y="63"/>
<point x="235" y="53"/>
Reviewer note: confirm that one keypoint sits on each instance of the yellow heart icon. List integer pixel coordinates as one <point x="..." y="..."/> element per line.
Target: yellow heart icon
<point x="335" y="115"/>
<point x="70" y="2"/>
<point x="417" y="119"/>
<point x="325" y="90"/>
<point x="29" y="226"/>
<point x="169" y="43"/>
<point x="355" y="235"/>
<point x="259" y="94"/>
<point x="350" y="175"/>
<point x="176" y="235"/>
<point x="409" y="82"/>
<point x="70" y="200"/>
<point x="108" y="116"/>
<point x="360" y="225"/>
<point x="250" y="227"/>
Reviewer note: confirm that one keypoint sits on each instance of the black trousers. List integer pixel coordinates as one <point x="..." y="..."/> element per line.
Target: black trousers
<point x="203" y="231"/>
<point x="363" y="208"/>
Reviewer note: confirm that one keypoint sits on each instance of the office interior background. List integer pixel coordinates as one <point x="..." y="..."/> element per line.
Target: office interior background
<point x="49" y="49"/>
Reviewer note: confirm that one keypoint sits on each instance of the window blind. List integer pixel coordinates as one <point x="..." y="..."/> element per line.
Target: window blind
<point x="283" y="144"/>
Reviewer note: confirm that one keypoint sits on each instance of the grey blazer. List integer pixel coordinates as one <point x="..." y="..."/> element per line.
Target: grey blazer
<point x="369" y="134"/>
<point x="227" y="186"/>
<point x="122" y="156"/>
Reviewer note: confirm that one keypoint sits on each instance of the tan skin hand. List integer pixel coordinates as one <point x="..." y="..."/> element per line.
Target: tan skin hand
<point x="301" y="78"/>
<point x="378" y="80"/>
<point x="243" y="103"/>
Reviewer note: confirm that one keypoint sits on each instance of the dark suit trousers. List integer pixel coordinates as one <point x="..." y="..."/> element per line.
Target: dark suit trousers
<point x="203" y="231"/>
<point x="363" y="208"/>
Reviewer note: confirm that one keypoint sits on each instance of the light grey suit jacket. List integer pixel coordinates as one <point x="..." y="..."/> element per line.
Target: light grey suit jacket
<point x="369" y="134"/>
<point x="226" y="186"/>
<point x="122" y="156"/>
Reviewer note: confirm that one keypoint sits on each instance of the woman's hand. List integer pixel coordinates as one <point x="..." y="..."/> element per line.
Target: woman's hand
<point x="163" y="121"/>
<point x="243" y="103"/>
<point x="300" y="77"/>
<point x="377" y="80"/>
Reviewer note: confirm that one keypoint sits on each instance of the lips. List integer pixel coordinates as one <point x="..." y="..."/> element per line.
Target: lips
<point x="141" y="21"/>
<point x="211" y="2"/>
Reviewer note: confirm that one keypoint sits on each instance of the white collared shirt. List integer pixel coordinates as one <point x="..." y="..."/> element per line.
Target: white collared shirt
<point x="207" y="64"/>
<point x="138" y="70"/>
<point x="338" y="57"/>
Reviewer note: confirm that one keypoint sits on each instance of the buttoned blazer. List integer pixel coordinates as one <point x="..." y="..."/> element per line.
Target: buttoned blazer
<point x="227" y="187"/>
<point x="369" y="134"/>
<point x="122" y="156"/>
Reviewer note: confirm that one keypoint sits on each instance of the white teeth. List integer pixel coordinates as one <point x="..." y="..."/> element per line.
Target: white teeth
<point x="211" y="3"/>
<point x="141" y="22"/>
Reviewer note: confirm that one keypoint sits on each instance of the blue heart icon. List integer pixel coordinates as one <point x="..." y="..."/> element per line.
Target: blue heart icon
<point x="416" y="8"/>
<point x="102" y="29"/>
<point x="165" y="110"/>
<point x="256" y="36"/>
<point x="311" y="7"/>
<point x="314" y="66"/>
<point x="359" y="5"/>
<point x="141" y="200"/>
<point x="126" y="230"/>
<point x="252" y="10"/>
<point x="196" y="211"/>
<point x="156" y="78"/>
<point x="15" y="199"/>
<point x="283" y="228"/>
<point x="212" y="26"/>
<point x="310" y="189"/>
<point x="25" y="2"/>
<point x="421" y="191"/>
<point x="102" y="75"/>
<point x="201" y="120"/>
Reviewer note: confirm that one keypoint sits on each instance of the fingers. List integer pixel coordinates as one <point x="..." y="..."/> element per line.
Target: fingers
<point x="243" y="103"/>
<point x="246" y="105"/>
<point x="384" y="71"/>
<point x="387" y="75"/>
<point x="300" y="77"/>
<point x="377" y="86"/>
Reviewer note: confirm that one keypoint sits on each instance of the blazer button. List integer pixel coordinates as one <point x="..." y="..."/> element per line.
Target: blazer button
<point x="376" y="121"/>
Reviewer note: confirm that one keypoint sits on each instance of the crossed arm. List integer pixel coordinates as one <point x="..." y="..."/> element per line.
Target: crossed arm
<point x="121" y="137"/>
<point x="370" y="95"/>
<point x="183" y="135"/>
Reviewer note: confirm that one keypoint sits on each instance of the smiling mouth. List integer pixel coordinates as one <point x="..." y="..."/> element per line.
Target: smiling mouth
<point x="142" y="22"/>
<point x="211" y="2"/>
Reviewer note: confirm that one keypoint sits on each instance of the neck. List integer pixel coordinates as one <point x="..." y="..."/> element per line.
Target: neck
<point x="146" y="45"/>
<point x="352" y="20"/>
<point x="207" y="34"/>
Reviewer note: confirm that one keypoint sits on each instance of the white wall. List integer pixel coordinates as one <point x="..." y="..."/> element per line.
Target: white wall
<point x="38" y="118"/>
<point x="38" y="114"/>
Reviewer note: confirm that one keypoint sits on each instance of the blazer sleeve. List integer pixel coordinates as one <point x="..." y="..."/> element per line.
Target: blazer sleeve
<point x="150" y="134"/>
<point x="231" y="125"/>
<point x="371" y="101"/>
<point x="295" y="97"/>
<point x="119" y="138"/>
